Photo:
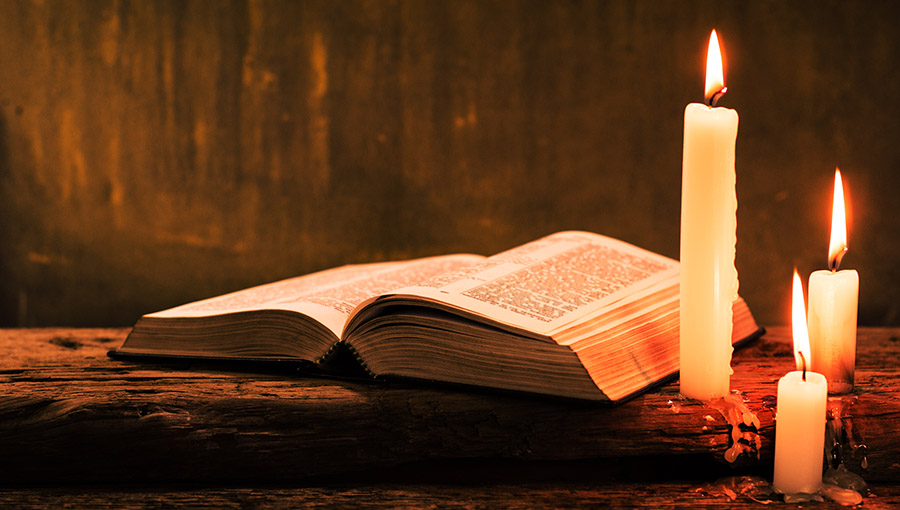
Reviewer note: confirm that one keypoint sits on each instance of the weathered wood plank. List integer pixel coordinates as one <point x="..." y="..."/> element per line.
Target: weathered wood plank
<point x="70" y="414"/>
<point x="513" y="496"/>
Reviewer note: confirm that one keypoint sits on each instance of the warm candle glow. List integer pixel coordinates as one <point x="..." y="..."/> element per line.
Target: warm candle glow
<point x="715" y="76"/>
<point x="833" y="305"/>
<point x="838" y="245"/>
<point x="709" y="279"/>
<point x="798" y="325"/>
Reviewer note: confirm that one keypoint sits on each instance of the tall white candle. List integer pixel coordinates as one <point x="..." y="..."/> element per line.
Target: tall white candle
<point x="708" y="237"/>
<point x="800" y="415"/>
<point x="833" y="304"/>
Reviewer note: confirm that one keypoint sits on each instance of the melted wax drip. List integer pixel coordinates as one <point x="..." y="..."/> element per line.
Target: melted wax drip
<point x="760" y="490"/>
<point x="744" y="425"/>
<point x="756" y="488"/>
<point x="843" y="444"/>
<point x="675" y="406"/>
<point x="843" y="447"/>
<point x="842" y="486"/>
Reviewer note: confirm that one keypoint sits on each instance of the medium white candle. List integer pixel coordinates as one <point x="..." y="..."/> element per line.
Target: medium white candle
<point x="833" y="304"/>
<point x="800" y="415"/>
<point x="708" y="237"/>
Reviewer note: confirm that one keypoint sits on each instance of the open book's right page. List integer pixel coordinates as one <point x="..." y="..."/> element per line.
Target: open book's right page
<point x="545" y="285"/>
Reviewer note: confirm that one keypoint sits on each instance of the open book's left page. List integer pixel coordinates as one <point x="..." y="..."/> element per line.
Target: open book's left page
<point x="326" y="296"/>
<point x="297" y="317"/>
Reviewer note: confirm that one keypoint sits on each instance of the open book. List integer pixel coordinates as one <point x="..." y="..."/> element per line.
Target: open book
<point x="573" y="314"/>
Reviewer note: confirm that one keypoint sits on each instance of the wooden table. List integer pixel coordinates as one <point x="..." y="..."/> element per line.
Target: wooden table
<point x="80" y="429"/>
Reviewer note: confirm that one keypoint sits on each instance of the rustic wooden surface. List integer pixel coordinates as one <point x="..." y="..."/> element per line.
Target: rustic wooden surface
<point x="69" y="414"/>
<point x="583" y="495"/>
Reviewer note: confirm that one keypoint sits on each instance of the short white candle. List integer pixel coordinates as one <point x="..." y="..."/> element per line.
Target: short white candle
<point x="800" y="432"/>
<point x="833" y="304"/>
<point x="708" y="237"/>
<point x="800" y="415"/>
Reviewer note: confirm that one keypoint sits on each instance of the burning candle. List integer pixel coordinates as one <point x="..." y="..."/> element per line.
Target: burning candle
<point x="800" y="415"/>
<point x="708" y="237"/>
<point x="833" y="302"/>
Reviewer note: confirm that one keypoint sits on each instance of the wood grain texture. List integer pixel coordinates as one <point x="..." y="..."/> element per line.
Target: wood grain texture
<point x="69" y="414"/>
<point x="155" y="153"/>
<point x="512" y="496"/>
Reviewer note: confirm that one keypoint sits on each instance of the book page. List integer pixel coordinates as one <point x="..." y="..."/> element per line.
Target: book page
<point x="544" y="285"/>
<point x="327" y="296"/>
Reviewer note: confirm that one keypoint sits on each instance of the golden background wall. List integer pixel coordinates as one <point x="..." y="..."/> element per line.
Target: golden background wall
<point x="156" y="152"/>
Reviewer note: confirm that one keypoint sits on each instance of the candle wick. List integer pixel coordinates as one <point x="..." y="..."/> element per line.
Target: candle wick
<point x="803" y="363"/>
<point x="835" y="262"/>
<point x="714" y="97"/>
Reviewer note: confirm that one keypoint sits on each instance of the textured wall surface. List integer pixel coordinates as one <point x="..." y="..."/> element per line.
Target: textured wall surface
<point x="153" y="153"/>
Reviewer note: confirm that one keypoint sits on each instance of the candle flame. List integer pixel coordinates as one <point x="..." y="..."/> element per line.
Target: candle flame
<point x="798" y="324"/>
<point x="715" y="76"/>
<point x="837" y="247"/>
